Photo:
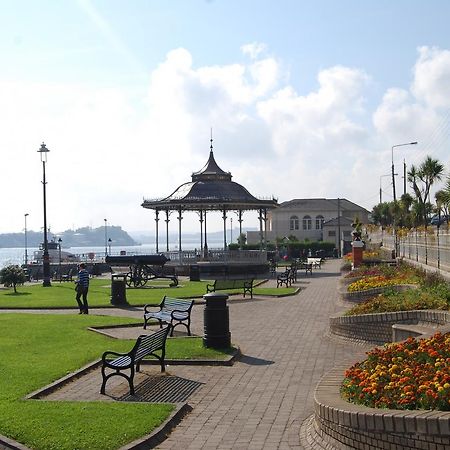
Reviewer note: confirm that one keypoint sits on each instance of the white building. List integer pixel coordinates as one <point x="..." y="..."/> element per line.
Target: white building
<point x="315" y="219"/>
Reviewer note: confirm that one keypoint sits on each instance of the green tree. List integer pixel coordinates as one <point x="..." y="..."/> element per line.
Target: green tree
<point x="422" y="179"/>
<point x="442" y="198"/>
<point x="241" y="240"/>
<point x="12" y="276"/>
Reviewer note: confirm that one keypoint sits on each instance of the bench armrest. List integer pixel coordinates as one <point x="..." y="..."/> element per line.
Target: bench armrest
<point x="147" y="308"/>
<point x="182" y="311"/>
<point x="111" y="353"/>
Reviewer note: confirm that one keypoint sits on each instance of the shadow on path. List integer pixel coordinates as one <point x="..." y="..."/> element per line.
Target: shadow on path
<point x="253" y="361"/>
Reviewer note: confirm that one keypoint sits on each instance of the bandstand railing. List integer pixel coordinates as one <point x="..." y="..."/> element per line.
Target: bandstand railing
<point x="217" y="255"/>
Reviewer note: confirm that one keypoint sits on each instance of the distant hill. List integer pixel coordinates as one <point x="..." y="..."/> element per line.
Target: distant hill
<point x="82" y="237"/>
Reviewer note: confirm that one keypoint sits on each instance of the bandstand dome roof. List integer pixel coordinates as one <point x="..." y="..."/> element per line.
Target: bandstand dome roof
<point x="211" y="188"/>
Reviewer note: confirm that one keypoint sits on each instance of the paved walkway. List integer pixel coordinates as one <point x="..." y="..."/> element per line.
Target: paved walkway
<point x="261" y="401"/>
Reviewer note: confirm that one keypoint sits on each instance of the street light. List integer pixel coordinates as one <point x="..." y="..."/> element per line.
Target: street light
<point x="109" y="245"/>
<point x="393" y="190"/>
<point x="59" y="248"/>
<point x="106" y="237"/>
<point x="381" y="192"/>
<point x="43" y="150"/>
<point x="392" y="168"/>
<point x="26" y="242"/>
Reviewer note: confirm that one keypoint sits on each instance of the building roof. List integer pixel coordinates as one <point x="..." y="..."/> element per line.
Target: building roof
<point x="322" y="204"/>
<point x="343" y="221"/>
<point x="211" y="188"/>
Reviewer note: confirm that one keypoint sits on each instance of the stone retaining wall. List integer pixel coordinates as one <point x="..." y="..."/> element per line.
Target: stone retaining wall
<point x="344" y="425"/>
<point x="361" y="296"/>
<point x="377" y="328"/>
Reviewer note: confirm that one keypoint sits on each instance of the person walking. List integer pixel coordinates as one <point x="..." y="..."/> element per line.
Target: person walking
<point x="82" y="287"/>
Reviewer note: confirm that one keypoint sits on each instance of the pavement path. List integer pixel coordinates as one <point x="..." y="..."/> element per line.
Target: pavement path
<point x="261" y="401"/>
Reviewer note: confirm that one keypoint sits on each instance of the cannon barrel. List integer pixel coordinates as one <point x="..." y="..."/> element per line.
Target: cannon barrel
<point x="126" y="260"/>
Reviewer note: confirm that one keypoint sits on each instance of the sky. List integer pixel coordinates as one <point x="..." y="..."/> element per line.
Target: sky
<point x="305" y="99"/>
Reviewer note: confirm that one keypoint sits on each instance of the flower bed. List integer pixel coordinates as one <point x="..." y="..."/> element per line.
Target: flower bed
<point x="340" y="424"/>
<point x="414" y="374"/>
<point x="407" y="300"/>
<point x="379" y="281"/>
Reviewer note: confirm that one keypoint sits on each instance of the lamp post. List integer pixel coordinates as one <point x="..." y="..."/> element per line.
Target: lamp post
<point x="59" y="248"/>
<point x="392" y="167"/>
<point x="26" y="241"/>
<point x="106" y="237"/>
<point x="43" y="150"/>
<point x="381" y="192"/>
<point x="393" y="190"/>
<point x="109" y="245"/>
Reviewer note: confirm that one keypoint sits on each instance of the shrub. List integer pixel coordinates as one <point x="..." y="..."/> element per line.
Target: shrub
<point x="12" y="276"/>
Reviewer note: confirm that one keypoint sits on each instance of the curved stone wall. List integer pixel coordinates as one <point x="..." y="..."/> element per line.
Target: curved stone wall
<point x="377" y="328"/>
<point x="344" y="425"/>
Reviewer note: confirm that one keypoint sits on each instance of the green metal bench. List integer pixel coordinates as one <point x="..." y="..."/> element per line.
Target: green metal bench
<point x="225" y="285"/>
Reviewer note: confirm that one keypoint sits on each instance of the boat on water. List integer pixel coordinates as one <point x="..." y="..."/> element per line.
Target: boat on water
<point x="55" y="253"/>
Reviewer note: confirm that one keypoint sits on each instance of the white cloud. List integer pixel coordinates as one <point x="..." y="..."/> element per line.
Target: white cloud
<point x="432" y="77"/>
<point x="110" y="146"/>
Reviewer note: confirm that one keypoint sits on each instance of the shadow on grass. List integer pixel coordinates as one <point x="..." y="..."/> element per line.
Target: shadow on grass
<point x="17" y="294"/>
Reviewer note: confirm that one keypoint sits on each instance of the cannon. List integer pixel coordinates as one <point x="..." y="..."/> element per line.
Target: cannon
<point x="142" y="268"/>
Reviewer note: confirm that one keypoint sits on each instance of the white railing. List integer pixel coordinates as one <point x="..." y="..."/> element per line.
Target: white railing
<point x="431" y="248"/>
<point x="217" y="255"/>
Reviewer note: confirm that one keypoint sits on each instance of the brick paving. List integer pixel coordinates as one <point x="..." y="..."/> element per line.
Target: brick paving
<point x="261" y="401"/>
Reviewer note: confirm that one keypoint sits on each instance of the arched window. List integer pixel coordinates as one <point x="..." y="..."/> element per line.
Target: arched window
<point x="319" y="222"/>
<point x="293" y="223"/>
<point x="307" y="222"/>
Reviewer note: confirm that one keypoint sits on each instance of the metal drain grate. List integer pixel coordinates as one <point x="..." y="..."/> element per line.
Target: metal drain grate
<point x="163" y="389"/>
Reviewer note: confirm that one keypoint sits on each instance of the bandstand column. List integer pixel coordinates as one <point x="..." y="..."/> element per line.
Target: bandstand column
<point x="167" y="230"/>
<point x="265" y="227"/>
<point x="201" y="231"/>
<point x="260" y="217"/>
<point x="180" y="218"/>
<point x="224" y="217"/>
<point x="240" y="227"/>
<point x="205" y="248"/>
<point x="157" y="229"/>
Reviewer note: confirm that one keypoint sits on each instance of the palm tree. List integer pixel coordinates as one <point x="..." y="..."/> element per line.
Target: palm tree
<point x="422" y="179"/>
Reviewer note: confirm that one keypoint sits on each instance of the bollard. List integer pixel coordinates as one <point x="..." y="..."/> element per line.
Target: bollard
<point x="118" y="290"/>
<point x="216" y="321"/>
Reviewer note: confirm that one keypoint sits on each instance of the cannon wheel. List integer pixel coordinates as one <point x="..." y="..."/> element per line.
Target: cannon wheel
<point x="129" y="278"/>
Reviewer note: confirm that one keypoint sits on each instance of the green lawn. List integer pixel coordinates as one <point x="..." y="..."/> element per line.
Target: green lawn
<point x="38" y="349"/>
<point x="63" y="294"/>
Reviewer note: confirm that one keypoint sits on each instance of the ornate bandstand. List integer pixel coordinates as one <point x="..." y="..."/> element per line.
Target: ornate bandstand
<point x="211" y="190"/>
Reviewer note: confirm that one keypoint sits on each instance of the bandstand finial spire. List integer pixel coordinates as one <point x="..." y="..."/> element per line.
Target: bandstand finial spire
<point x="211" y="140"/>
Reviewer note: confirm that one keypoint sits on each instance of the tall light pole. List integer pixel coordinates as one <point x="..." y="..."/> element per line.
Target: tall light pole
<point x="109" y="245"/>
<point x="26" y="240"/>
<point x="43" y="150"/>
<point x="392" y="168"/>
<point x="59" y="248"/>
<point x="381" y="192"/>
<point x="106" y="237"/>
<point x="393" y="190"/>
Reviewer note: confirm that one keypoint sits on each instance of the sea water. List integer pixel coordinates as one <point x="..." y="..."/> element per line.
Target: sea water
<point x="17" y="255"/>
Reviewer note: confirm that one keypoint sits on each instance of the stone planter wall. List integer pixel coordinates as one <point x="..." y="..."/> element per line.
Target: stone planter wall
<point x="342" y="425"/>
<point x="362" y="296"/>
<point x="377" y="328"/>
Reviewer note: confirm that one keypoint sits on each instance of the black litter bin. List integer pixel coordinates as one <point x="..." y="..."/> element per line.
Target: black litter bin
<point x="216" y="321"/>
<point x="118" y="290"/>
<point x="194" y="273"/>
